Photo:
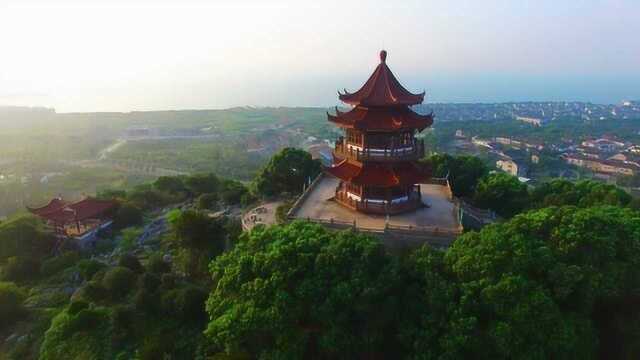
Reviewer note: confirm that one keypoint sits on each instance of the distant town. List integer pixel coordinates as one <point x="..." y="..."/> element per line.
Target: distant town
<point x="537" y="113"/>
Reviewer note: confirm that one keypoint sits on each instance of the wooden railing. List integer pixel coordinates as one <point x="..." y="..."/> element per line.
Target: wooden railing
<point x="408" y="152"/>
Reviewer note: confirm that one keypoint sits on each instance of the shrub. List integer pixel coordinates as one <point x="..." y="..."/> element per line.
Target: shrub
<point x="129" y="238"/>
<point x="85" y="335"/>
<point x="58" y="263"/>
<point x="118" y="281"/>
<point x="169" y="184"/>
<point x="156" y="264"/>
<point x="20" y="269"/>
<point x="232" y="192"/>
<point x="186" y="304"/>
<point x="155" y="347"/>
<point x="168" y="281"/>
<point x="147" y="198"/>
<point x="281" y="212"/>
<point x="89" y="267"/>
<point x="207" y="201"/>
<point x="149" y="281"/>
<point x="128" y="215"/>
<point x="145" y="301"/>
<point x="24" y="236"/>
<point x="76" y="306"/>
<point x="202" y="183"/>
<point x="11" y="308"/>
<point x="131" y="262"/>
<point x="190" y="303"/>
<point x="85" y="319"/>
<point x="92" y="291"/>
<point x="248" y="198"/>
<point x="122" y="318"/>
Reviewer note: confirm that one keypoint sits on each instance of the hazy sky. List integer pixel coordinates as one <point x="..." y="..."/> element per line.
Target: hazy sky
<point x="117" y="55"/>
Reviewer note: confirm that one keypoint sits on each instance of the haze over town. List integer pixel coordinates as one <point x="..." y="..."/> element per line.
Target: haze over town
<point x="128" y="55"/>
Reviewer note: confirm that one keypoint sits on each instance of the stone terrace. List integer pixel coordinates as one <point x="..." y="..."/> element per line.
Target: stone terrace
<point x="437" y="223"/>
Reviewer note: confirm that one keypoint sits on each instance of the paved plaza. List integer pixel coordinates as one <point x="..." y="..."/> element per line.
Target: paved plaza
<point x="440" y="211"/>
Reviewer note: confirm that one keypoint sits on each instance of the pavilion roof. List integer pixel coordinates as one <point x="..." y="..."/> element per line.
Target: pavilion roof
<point x="382" y="89"/>
<point x="381" y="119"/>
<point x="379" y="175"/>
<point x="87" y="208"/>
<point x="53" y="206"/>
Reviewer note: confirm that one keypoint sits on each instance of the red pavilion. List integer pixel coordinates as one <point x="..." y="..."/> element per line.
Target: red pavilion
<point x="79" y="219"/>
<point x="376" y="160"/>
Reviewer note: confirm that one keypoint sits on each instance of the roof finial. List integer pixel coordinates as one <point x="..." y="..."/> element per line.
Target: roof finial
<point x="383" y="55"/>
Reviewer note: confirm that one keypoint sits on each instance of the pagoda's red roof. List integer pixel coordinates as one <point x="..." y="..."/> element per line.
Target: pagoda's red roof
<point x="85" y="209"/>
<point x="378" y="175"/>
<point x="381" y="119"/>
<point x="53" y="206"/>
<point x="382" y="89"/>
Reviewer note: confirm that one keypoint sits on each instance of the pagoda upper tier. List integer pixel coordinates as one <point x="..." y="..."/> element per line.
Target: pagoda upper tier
<point x="381" y="119"/>
<point x="382" y="89"/>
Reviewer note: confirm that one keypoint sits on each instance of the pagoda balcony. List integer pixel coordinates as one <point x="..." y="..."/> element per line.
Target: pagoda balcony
<point x="406" y="152"/>
<point x="390" y="206"/>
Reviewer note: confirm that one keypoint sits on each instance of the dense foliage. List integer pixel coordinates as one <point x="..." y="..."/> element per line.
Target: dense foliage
<point x="299" y="291"/>
<point x="553" y="283"/>
<point x="11" y="307"/>
<point x="463" y="171"/>
<point x="24" y="236"/>
<point x="558" y="278"/>
<point x="583" y="193"/>
<point x="287" y="172"/>
<point x="503" y="193"/>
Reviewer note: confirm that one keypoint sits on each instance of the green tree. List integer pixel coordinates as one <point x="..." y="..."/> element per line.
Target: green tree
<point x="281" y="212"/>
<point x="20" y="268"/>
<point x="553" y="283"/>
<point x="207" y="201"/>
<point x="119" y="281"/>
<point x="169" y="184"/>
<point x="11" y="308"/>
<point x="287" y="171"/>
<point x="128" y="215"/>
<point x="299" y="291"/>
<point x="428" y="303"/>
<point x="232" y="192"/>
<point x="559" y="192"/>
<point x="130" y="238"/>
<point x="24" y="236"/>
<point x="503" y="193"/>
<point x="464" y="171"/>
<point x="199" y="238"/>
<point x="146" y="197"/>
<point x="131" y="262"/>
<point x="199" y="184"/>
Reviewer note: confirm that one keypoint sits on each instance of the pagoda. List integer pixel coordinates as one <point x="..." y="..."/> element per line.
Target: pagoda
<point x="376" y="160"/>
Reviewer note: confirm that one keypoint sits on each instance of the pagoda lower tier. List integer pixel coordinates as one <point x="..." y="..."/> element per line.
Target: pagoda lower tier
<point x="379" y="188"/>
